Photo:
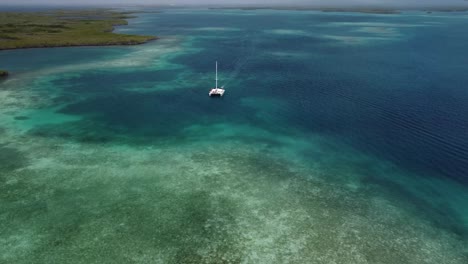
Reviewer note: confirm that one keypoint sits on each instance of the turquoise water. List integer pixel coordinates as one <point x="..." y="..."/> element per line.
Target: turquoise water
<point x="341" y="139"/>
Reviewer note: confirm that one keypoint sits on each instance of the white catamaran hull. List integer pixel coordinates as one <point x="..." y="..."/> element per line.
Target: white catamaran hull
<point x="216" y="91"/>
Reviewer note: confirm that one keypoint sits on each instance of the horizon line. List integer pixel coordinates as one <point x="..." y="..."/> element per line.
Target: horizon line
<point x="276" y="5"/>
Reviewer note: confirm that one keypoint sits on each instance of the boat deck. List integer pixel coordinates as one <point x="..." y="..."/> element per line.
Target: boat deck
<point x="216" y="92"/>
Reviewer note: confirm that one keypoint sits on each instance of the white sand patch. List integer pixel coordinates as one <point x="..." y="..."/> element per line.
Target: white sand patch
<point x="6" y="98"/>
<point x="292" y="32"/>
<point x="260" y="207"/>
<point x="370" y="24"/>
<point x="21" y="243"/>
<point x="154" y="54"/>
<point x="354" y="40"/>
<point x="217" y="29"/>
<point x="377" y="31"/>
<point x="380" y="31"/>
<point x="440" y="15"/>
<point x="290" y="54"/>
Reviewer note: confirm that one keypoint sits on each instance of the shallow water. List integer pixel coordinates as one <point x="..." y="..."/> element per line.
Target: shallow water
<point x="341" y="139"/>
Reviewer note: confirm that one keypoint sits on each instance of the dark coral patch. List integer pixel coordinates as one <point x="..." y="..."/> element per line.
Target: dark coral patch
<point x="21" y="118"/>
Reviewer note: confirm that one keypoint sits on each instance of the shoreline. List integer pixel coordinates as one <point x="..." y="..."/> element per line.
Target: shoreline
<point x="81" y="45"/>
<point x="3" y="74"/>
<point x="66" y="28"/>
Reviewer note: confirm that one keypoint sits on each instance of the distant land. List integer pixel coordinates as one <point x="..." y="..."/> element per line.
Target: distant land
<point x="370" y="10"/>
<point x="3" y="74"/>
<point x="331" y="9"/>
<point x="63" y="28"/>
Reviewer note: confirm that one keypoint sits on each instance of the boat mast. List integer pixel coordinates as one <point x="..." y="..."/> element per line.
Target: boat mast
<point x="216" y="75"/>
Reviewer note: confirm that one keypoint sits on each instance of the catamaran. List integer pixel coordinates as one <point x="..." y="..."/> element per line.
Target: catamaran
<point x="216" y="91"/>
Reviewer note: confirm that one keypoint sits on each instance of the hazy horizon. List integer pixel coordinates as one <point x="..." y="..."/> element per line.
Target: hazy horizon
<point x="309" y="3"/>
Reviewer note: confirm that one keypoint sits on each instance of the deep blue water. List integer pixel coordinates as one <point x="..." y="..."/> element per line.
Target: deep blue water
<point x="404" y="99"/>
<point x="392" y="87"/>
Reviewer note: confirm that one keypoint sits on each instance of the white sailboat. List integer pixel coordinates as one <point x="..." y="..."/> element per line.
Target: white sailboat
<point x="216" y="91"/>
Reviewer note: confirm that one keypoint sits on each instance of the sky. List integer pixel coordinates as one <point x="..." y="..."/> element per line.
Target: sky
<point x="390" y="3"/>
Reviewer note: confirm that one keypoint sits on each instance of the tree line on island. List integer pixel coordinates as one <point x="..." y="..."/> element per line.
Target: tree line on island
<point x="64" y="28"/>
<point x="3" y="74"/>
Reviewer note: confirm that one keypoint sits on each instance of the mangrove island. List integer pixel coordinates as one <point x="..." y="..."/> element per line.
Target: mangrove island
<point x="3" y="74"/>
<point x="65" y="28"/>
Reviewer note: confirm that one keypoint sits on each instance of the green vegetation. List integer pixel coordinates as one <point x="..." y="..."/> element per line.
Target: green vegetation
<point x="3" y="74"/>
<point x="65" y="28"/>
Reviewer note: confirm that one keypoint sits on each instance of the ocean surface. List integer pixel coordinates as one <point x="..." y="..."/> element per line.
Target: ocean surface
<point x="341" y="138"/>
